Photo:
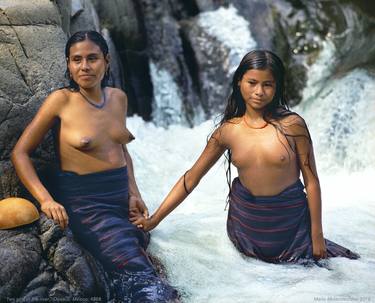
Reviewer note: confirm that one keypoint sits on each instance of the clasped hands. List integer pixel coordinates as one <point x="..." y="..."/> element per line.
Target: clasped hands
<point x="138" y="214"/>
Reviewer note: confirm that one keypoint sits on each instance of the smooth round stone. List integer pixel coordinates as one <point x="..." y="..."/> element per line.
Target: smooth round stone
<point x="16" y="212"/>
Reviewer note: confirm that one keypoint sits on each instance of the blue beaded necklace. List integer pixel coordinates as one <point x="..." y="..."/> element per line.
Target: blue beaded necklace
<point x="100" y="105"/>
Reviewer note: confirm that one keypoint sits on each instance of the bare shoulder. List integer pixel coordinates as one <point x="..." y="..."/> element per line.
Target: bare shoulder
<point x="117" y="93"/>
<point x="293" y="123"/>
<point x="60" y="95"/>
<point x="57" y="100"/>
<point x="225" y="132"/>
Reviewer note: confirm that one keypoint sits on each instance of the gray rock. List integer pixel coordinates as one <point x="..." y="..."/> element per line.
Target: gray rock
<point x="213" y="74"/>
<point x="85" y="19"/>
<point x="65" y="11"/>
<point x="123" y="20"/>
<point x="80" y="276"/>
<point x="175" y="98"/>
<point x="207" y="5"/>
<point x="20" y="255"/>
<point x="116" y="69"/>
<point x="76" y="8"/>
<point x="44" y="280"/>
<point x="66" y="253"/>
<point x="61" y="291"/>
<point x="30" y="12"/>
<point x="50" y="236"/>
<point x="36" y="295"/>
<point x="29" y="71"/>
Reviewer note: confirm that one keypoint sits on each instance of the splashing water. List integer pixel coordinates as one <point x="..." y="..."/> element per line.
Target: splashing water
<point x="200" y="259"/>
<point x="235" y="35"/>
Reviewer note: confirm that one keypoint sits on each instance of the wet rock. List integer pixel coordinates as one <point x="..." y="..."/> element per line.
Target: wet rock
<point x="124" y="21"/>
<point x="84" y="17"/>
<point x="60" y="291"/>
<point x="175" y="99"/>
<point x="217" y="52"/>
<point x="36" y="295"/>
<point x="20" y="255"/>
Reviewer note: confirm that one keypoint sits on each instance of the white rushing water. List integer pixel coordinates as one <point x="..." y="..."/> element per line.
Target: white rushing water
<point x="192" y="243"/>
<point x="232" y="30"/>
<point x="200" y="259"/>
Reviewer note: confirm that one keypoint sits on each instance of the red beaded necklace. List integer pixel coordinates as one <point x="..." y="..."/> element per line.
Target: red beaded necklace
<point x="258" y="127"/>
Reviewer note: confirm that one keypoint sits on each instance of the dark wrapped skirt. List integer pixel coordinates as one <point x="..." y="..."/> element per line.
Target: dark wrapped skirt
<point x="97" y="206"/>
<point x="274" y="228"/>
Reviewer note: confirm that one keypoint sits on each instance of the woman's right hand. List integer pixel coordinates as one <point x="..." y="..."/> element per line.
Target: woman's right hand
<point x="146" y="224"/>
<point x="55" y="211"/>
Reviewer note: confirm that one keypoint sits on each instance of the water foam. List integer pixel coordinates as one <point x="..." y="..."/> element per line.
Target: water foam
<point x="192" y="241"/>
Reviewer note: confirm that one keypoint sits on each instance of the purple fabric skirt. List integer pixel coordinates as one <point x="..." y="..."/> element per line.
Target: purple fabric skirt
<point x="97" y="206"/>
<point x="274" y="228"/>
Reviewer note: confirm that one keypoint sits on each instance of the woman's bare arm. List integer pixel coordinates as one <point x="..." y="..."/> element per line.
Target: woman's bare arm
<point x="212" y="152"/>
<point x="29" y="140"/>
<point x="136" y="203"/>
<point x="305" y="156"/>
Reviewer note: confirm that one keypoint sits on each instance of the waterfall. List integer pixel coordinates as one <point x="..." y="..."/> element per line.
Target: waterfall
<point x="235" y="35"/>
<point x="340" y="112"/>
<point x="167" y="101"/>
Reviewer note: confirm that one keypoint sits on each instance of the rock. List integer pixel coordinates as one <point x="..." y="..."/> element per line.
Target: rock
<point x="65" y="11"/>
<point x="85" y="17"/>
<point x="61" y="291"/>
<point x="20" y="255"/>
<point x="51" y="232"/>
<point x="29" y="71"/>
<point x="116" y="69"/>
<point x="45" y="279"/>
<point x="217" y="52"/>
<point x="124" y="22"/>
<point x="175" y="99"/>
<point x="208" y="5"/>
<point x="36" y="295"/>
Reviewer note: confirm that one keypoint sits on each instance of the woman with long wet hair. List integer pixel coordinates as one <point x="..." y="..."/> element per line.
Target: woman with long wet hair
<point x="270" y="216"/>
<point x="96" y="184"/>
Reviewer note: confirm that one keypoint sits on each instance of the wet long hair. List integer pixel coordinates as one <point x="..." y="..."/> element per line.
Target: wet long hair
<point x="96" y="38"/>
<point x="278" y="108"/>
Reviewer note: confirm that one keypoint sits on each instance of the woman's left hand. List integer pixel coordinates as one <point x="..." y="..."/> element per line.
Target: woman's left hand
<point x="319" y="246"/>
<point x="137" y="206"/>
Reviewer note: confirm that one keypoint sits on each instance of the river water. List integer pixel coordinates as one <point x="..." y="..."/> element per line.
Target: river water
<point x="192" y="243"/>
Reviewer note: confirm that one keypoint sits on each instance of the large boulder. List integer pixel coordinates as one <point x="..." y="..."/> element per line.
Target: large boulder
<point x="32" y="64"/>
<point x="20" y="255"/>
<point x="83" y="16"/>
<point x="42" y="262"/>
<point x="216" y="51"/>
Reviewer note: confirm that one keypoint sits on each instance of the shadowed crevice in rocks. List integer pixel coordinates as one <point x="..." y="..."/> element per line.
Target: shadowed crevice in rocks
<point x="191" y="62"/>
